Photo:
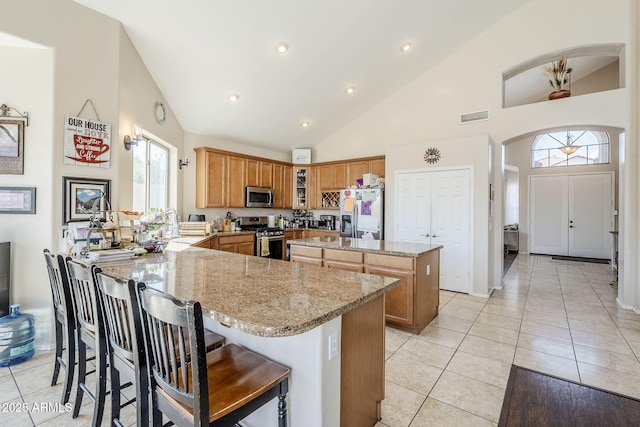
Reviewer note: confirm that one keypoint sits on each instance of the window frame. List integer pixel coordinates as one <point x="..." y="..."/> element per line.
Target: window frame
<point x="149" y="142"/>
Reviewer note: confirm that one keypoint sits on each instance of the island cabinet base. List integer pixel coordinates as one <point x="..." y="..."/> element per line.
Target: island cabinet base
<point x="409" y="306"/>
<point x="362" y="364"/>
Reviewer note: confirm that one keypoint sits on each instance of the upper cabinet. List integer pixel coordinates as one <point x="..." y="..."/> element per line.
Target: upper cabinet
<point x="221" y="178"/>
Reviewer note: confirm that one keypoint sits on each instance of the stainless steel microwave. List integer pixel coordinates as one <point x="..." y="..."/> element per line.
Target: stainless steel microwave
<point x="258" y="197"/>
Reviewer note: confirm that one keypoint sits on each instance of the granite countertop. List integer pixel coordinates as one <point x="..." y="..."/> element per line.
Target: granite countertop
<point x="193" y="240"/>
<point x="259" y="296"/>
<point x="383" y="247"/>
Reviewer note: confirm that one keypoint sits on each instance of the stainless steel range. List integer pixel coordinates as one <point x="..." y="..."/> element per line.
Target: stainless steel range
<point x="269" y="240"/>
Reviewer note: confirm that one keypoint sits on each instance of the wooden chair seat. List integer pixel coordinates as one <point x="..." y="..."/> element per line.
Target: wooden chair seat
<point x="218" y="388"/>
<point x="236" y="376"/>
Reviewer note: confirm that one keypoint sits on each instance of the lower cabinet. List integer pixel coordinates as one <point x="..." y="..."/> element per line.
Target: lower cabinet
<point x="240" y="244"/>
<point x="411" y="305"/>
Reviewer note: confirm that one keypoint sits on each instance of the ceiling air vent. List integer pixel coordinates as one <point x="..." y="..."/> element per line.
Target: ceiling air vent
<point x="474" y="117"/>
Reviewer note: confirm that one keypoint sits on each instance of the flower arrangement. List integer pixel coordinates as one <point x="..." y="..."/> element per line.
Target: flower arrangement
<point x="153" y="219"/>
<point x="558" y="73"/>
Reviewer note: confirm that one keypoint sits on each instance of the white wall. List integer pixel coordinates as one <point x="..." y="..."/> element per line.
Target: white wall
<point x="82" y="62"/>
<point x="26" y="85"/>
<point x="471" y="152"/>
<point x="470" y="79"/>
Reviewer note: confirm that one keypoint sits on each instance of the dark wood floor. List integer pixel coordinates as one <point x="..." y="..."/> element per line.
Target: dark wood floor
<point x="535" y="399"/>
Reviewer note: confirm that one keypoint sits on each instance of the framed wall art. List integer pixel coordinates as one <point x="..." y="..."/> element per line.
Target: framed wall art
<point x="12" y="147"/>
<point x="17" y="200"/>
<point x="79" y="196"/>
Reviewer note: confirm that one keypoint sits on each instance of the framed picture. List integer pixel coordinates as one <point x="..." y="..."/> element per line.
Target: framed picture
<point x="79" y="196"/>
<point x="17" y="200"/>
<point x="12" y="147"/>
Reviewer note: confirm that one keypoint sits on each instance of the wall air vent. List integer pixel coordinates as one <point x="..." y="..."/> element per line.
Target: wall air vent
<point x="474" y="117"/>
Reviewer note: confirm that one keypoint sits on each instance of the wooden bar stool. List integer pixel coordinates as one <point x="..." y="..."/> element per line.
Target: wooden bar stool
<point x="218" y="388"/>
<point x="90" y="326"/>
<point x="127" y="361"/>
<point x="65" y="321"/>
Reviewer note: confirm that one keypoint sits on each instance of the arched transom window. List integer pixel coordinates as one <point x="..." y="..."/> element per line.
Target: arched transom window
<point x="570" y="148"/>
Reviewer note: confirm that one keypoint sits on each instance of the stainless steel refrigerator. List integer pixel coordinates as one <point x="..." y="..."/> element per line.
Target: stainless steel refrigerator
<point x="362" y="213"/>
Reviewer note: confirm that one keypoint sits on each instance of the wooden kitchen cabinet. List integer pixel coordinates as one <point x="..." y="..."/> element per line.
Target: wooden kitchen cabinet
<point x="259" y="173"/>
<point x="240" y="244"/>
<point x="236" y="181"/>
<point x="303" y="192"/>
<point x="355" y="170"/>
<point x="377" y="166"/>
<point x="282" y="186"/>
<point x="414" y="303"/>
<point x="344" y="260"/>
<point x="331" y="177"/>
<point x="211" y="179"/>
<point x="306" y="255"/>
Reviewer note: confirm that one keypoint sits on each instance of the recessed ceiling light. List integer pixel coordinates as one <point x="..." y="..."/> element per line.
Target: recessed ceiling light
<point x="234" y="97"/>
<point x="282" y="47"/>
<point x="350" y="90"/>
<point x="406" y="47"/>
<point x="305" y="124"/>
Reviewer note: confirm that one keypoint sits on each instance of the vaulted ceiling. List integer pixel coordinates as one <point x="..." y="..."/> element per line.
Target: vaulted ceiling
<point x="200" y="52"/>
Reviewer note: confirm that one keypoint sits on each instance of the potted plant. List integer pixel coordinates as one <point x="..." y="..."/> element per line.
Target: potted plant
<point x="559" y="75"/>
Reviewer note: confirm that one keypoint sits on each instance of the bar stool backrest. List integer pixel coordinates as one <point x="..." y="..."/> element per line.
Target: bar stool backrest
<point x="60" y="289"/>
<point x="88" y="312"/>
<point x="174" y="334"/>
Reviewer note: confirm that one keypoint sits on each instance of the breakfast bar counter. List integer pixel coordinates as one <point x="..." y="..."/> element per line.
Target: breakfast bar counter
<point x="305" y="317"/>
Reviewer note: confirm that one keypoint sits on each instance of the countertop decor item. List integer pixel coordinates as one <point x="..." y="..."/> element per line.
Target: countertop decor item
<point x="559" y="74"/>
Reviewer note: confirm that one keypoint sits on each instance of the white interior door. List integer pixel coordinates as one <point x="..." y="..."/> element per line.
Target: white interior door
<point x="434" y="207"/>
<point x="549" y="212"/>
<point x="571" y="215"/>
<point x="590" y="215"/>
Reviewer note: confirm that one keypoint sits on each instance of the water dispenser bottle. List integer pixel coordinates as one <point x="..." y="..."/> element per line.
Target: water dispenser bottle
<point x="17" y="334"/>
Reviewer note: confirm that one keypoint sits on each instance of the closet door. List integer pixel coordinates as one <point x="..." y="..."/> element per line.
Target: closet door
<point x="549" y="212"/>
<point x="434" y="208"/>
<point x="451" y="227"/>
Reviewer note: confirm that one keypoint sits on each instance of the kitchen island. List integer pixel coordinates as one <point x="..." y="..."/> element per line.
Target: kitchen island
<point x="304" y="317"/>
<point x="412" y="304"/>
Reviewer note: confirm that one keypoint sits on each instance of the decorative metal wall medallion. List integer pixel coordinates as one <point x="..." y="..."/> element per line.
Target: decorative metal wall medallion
<point x="432" y="155"/>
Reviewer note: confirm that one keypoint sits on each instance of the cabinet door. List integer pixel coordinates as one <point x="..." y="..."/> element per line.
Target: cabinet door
<point x="287" y="192"/>
<point x="236" y="177"/>
<point x="346" y="266"/>
<point x="377" y="166"/>
<point x="324" y="176"/>
<point x="211" y="172"/>
<point x="278" y="186"/>
<point x="399" y="300"/>
<point x="356" y="170"/>
<point x="339" y="176"/>
<point x="253" y="173"/>
<point x="246" y="248"/>
<point x="230" y="247"/>
<point x="266" y="175"/>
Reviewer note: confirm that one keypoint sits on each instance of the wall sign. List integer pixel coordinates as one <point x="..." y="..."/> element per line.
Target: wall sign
<point x="87" y="142"/>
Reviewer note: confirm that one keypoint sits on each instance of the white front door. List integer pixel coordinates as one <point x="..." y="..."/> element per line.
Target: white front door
<point x="571" y="215"/>
<point x="434" y="207"/>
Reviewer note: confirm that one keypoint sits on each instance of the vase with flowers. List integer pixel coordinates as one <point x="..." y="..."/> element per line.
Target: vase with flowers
<point x="559" y="74"/>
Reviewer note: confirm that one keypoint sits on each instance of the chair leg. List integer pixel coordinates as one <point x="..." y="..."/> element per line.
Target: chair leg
<point x="82" y="376"/>
<point x="71" y="364"/>
<point x="101" y="383"/>
<point x="115" y="392"/>
<point x="56" y="366"/>
<point x="282" y="410"/>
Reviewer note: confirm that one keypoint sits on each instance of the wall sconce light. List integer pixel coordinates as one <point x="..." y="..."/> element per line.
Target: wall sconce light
<point x="181" y="163"/>
<point x="137" y="137"/>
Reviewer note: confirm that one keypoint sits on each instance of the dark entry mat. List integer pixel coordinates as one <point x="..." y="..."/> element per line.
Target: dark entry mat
<point x="539" y="400"/>
<point x="578" y="259"/>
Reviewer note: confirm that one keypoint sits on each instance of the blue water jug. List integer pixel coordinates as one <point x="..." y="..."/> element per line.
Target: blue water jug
<point x="17" y="335"/>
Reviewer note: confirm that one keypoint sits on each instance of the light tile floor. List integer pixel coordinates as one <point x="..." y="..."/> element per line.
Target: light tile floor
<point x="557" y="317"/>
